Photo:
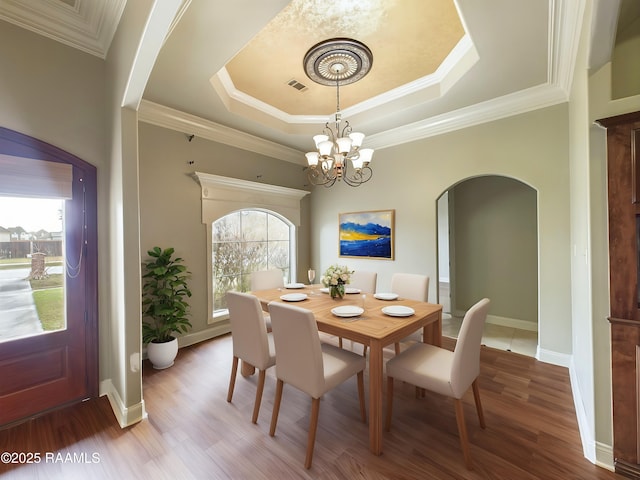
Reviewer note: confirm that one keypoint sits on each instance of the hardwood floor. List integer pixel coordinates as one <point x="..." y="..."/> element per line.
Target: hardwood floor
<point x="193" y="433"/>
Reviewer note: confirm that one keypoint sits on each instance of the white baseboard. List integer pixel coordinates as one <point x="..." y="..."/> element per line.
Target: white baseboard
<point x="597" y="453"/>
<point x="506" y="322"/>
<point x="126" y="416"/>
<point x="513" y="323"/>
<point x="604" y="456"/>
<point x="554" y="358"/>
<point x="218" y="328"/>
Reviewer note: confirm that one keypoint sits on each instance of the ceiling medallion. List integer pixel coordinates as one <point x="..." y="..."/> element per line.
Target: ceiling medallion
<point x="340" y="59"/>
<point x="332" y="62"/>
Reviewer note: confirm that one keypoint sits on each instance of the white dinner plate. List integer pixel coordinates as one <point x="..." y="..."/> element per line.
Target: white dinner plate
<point x="386" y="296"/>
<point x="294" y="285"/>
<point x="293" y="297"/>
<point x="325" y="290"/>
<point x="398" y="311"/>
<point x="347" y="311"/>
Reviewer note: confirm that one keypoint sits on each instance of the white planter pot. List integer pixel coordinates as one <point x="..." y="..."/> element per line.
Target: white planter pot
<point x="162" y="355"/>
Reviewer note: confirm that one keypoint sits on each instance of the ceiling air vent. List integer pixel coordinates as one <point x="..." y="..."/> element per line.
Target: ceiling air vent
<point x="297" y="85"/>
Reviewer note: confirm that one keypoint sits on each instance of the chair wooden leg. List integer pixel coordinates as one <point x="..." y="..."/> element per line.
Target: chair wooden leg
<point x="313" y="428"/>
<point x="259" y="390"/>
<point x="340" y="342"/>
<point x="232" y="380"/>
<point x="276" y="407"/>
<point x="476" y="396"/>
<point x="462" y="431"/>
<point x="364" y="351"/>
<point x="363" y="409"/>
<point x="397" y="347"/>
<point x="389" y="403"/>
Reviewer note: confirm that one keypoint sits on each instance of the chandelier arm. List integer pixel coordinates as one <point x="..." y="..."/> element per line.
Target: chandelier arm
<point x="329" y="184"/>
<point x="329" y="132"/>
<point x="358" y="177"/>
<point x="346" y="130"/>
<point x="317" y="177"/>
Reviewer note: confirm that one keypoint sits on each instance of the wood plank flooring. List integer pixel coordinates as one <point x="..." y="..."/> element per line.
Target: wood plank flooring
<point x="193" y="433"/>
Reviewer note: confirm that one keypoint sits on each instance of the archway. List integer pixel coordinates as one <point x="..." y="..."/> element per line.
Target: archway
<point x="488" y="247"/>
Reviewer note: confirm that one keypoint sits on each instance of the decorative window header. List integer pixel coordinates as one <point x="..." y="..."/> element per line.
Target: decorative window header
<point x="223" y="195"/>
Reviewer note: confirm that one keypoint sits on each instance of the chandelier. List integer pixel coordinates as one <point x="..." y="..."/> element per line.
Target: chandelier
<point x="338" y="155"/>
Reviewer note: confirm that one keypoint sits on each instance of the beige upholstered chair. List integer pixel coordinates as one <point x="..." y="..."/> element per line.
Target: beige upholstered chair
<point x="309" y="365"/>
<point x="445" y="372"/>
<point x="365" y="281"/>
<point x="265" y="280"/>
<point x="414" y="287"/>
<point x="251" y="342"/>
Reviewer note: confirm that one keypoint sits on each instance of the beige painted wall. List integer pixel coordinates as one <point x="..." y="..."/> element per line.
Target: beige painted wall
<point x="496" y="247"/>
<point x="170" y="200"/>
<point x="52" y="92"/>
<point x="531" y="148"/>
<point x="625" y="63"/>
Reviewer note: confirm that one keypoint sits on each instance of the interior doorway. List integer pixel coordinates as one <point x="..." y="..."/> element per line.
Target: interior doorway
<point x="488" y="247"/>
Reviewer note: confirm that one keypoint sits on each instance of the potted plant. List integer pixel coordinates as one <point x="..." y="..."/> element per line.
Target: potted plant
<point x="164" y="308"/>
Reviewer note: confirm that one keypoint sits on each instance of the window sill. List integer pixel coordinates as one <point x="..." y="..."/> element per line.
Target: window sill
<point x="219" y="316"/>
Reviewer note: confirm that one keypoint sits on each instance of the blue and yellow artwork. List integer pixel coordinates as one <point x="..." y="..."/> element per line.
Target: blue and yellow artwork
<point x="367" y="234"/>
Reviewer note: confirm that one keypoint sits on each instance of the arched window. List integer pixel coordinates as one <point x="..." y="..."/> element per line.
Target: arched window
<point x="246" y="241"/>
<point x="241" y="215"/>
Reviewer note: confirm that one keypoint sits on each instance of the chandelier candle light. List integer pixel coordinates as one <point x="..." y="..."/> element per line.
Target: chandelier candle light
<point x="327" y="63"/>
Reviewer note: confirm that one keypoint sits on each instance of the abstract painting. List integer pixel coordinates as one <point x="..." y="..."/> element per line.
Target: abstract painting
<point x="366" y="234"/>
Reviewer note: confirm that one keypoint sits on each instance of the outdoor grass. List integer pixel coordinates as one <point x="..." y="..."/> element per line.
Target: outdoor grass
<point x="50" y="307"/>
<point x="48" y="295"/>
<point x="53" y="280"/>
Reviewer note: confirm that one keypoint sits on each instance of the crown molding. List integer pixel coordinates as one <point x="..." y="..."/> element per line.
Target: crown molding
<point x="565" y="24"/>
<point x="166" y="117"/>
<point x="513" y="104"/>
<point x="88" y="25"/>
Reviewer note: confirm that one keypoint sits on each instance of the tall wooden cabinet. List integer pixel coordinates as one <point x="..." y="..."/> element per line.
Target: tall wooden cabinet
<point x="623" y="179"/>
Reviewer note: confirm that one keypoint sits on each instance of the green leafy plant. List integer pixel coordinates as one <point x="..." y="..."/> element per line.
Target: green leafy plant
<point x="163" y="296"/>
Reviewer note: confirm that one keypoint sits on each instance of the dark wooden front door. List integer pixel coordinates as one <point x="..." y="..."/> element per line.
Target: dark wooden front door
<point x="43" y="371"/>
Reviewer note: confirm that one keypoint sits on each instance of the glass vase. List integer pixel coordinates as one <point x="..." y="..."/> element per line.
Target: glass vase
<point x="337" y="291"/>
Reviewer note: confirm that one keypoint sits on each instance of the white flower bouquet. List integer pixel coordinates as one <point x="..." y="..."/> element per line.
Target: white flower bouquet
<point x="335" y="277"/>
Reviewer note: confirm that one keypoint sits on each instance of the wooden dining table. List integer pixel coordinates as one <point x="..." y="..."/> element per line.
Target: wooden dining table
<point x="372" y="328"/>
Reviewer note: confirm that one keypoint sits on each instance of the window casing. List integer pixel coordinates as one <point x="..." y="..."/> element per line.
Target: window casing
<point x="224" y="195"/>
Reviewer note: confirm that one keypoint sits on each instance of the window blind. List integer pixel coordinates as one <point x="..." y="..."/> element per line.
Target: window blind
<point x="28" y="177"/>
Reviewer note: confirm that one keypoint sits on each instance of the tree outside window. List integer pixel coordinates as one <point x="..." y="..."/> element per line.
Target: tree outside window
<point x="244" y="242"/>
